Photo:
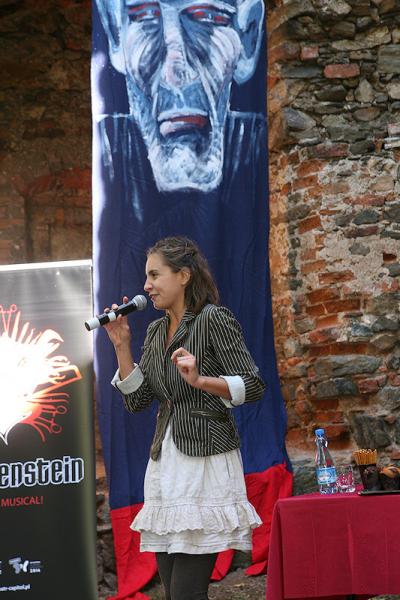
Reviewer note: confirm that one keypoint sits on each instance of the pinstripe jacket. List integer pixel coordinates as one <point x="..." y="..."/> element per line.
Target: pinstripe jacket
<point x="201" y="423"/>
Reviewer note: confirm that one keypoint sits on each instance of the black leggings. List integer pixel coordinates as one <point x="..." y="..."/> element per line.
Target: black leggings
<point x="185" y="576"/>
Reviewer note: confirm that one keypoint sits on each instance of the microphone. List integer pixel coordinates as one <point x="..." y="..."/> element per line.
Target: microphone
<point x="137" y="303"/>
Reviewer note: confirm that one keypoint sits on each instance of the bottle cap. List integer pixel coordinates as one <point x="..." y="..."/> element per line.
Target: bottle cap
<point x="320" y="432"/>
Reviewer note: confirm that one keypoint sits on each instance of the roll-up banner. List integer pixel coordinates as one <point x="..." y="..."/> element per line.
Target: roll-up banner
<point x="47" y="466"/>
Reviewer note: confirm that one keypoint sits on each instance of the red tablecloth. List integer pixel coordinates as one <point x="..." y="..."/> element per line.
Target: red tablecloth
<point x="334" y="546"/>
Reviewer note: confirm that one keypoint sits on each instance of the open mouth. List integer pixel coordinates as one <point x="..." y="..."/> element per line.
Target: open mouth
<point x="170" y="125"/>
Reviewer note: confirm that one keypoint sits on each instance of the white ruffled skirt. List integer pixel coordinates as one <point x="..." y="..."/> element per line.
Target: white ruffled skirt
<point x="195" y="505"/>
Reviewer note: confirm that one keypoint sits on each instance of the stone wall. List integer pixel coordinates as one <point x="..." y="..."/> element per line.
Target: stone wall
<point x="334" y="110"/>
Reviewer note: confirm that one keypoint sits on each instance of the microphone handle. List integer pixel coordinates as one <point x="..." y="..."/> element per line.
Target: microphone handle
<point x="105" y="318"/>
<point x="125" y="309"/>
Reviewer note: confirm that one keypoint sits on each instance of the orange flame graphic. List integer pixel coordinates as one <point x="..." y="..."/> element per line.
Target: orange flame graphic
<point x="30" y="375"/>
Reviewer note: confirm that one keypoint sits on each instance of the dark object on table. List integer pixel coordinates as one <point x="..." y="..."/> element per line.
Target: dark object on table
<point x="378" y="492"/>
<point x="390" y="478"/>
<point x="370" y="477"/>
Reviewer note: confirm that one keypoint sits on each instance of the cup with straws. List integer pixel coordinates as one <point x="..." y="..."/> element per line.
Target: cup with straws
<point x="366" y="460"/>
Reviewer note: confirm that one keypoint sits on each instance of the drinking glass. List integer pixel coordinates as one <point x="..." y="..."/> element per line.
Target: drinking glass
<point x="345" y="479"/>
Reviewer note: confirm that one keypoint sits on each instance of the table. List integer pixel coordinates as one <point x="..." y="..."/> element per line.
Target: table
<point x="336" y="545"/>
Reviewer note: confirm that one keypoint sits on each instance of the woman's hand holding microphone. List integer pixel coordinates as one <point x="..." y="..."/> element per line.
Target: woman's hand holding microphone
<point x="119" y="330"/>
<point x="119" y="333"/>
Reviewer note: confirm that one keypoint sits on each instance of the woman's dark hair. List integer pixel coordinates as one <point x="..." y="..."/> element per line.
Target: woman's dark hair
<point x="179" y="252"/>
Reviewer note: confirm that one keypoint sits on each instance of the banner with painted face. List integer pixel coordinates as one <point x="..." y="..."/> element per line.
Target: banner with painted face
<point x="179" y="60"/>
<point x="179" y="124"/>
<point x="47" y="471"/>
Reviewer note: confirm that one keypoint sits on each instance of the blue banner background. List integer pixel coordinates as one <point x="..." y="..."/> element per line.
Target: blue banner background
<point x="230" y="224"/>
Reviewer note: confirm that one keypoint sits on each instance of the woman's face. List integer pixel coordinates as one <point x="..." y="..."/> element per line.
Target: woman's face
<point x="165" y="288"/>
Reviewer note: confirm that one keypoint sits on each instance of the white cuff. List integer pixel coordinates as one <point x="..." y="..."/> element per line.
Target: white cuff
<point x="236" y="388"/>
<point x="131" y="383"/>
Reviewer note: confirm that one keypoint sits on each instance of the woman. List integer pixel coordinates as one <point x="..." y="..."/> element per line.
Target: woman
<point x="196" y="364"/>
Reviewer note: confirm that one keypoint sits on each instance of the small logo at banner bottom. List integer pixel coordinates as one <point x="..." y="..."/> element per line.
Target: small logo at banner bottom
<point x="19" y="565"/>
<point x="22" y="566"/>
<point x="31" y="376"/>
<point x="35" y="566"/>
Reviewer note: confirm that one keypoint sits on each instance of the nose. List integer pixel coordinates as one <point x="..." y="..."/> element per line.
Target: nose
<point x="176" y="71"/>
<point x="147" y="285"/>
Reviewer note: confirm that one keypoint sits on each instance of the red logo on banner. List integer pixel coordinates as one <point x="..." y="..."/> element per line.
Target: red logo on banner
<point x="31" y="376"/>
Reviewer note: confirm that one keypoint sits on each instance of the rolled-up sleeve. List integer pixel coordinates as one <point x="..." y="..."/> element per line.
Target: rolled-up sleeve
<point x="231" y="351"/>
<point x="237" y="390"/>
<point x="135" y="389"/>
<point x="131" y="383"/>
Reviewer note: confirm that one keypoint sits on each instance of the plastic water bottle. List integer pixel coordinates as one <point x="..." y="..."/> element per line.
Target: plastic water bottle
<point x="325" y="469"/>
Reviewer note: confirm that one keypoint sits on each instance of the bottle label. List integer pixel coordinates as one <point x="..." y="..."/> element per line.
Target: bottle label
<point x="326" y="475"/>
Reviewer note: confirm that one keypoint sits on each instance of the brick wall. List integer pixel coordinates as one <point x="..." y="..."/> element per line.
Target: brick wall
<point x="45" y="131"/>
<point x="334" y="110"/>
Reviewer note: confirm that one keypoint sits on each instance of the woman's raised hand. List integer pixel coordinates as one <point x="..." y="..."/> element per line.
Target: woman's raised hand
<point x="187" y="366"/>
<point x="118" y="331"/>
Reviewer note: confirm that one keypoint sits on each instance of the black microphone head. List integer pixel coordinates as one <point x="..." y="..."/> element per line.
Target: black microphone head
<point x="140" y="301"/>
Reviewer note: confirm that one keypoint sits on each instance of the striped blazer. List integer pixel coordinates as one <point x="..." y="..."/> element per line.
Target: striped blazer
<point x="201" y="423"/>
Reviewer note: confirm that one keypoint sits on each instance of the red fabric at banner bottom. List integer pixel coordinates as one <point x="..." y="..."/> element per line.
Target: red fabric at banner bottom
<point x="263" y="490"/>
<point x="135" y="569"/>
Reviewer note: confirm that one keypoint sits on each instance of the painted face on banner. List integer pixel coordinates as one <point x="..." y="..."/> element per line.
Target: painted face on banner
<point x="180" y="58"/>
